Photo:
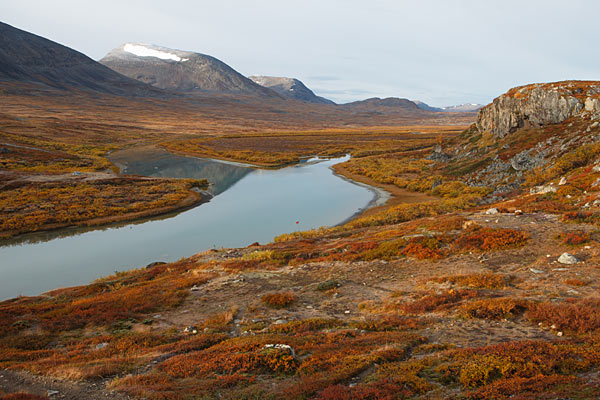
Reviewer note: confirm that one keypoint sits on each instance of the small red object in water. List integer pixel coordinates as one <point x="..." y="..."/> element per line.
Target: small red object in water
<point x="297" y="222"/>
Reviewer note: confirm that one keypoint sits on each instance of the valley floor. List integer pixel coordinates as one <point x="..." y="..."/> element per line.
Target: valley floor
<point x="458" y="290"/>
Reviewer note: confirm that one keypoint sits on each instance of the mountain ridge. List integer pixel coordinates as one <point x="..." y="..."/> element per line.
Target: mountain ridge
<point x="26" y="57"/>
<point x="291" y="88"/>
<point x="180" y="71"/>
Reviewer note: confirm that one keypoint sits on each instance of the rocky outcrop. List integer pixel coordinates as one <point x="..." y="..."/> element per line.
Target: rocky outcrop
<point x="539" y="104"/>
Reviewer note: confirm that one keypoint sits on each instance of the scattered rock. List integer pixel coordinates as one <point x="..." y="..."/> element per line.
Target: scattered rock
<point x="52" y="392"/>
<point x="492" y="211"/>
<point x="191" y="329"/>
<point x="281" y="347"/>
<point x="100" y="346"/>
<point x="563" y="181"/>
<point x="566" y="258"/>
<point x="542" y="189"/>
<point x="518" y="212"/>
<point x="524" y="161"/>
<point x="280" y="321"/>
<point x="559" y="334"/>
<point x="536" y="271"/>
<point x="469" y="224"/>
<point x="194" y="288"/>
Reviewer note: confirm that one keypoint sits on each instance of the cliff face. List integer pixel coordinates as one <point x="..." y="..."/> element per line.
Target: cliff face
<point x="539" y="104"/>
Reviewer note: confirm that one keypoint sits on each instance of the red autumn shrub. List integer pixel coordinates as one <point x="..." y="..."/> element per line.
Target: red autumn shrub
<point x="485" y="280"/>
<point x="576" y="238"/>
<point x="279" y="300"/>
<point x="575" y="315"/>
<point x="423" y="248"/>
<point x="437" y="302"/>
<point x="487" y="239"/>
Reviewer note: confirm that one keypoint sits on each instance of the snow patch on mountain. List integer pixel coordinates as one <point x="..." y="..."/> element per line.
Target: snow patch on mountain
<point x="143" y="51"/>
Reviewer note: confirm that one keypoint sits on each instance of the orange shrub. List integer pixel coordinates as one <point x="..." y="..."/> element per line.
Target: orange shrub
<point x="576" y="282"/>
<point x="575" y="238"/>
<point x="437" y="302"/>
<point x="580" y="316"/>
<point x="538" y="387"/>
<point x="487" y="239"/>
<point x="372" y="391"/>
<point x="279" y="300"/>
<point x="485" y="280"/>
<point x="22" y="396"/>
<point x="498" y="308"/>
<point x="527" y="359"/>
<point x="423" y="248"/>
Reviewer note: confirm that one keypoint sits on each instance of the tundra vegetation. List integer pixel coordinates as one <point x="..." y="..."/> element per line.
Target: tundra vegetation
<point x="458" y="296"/>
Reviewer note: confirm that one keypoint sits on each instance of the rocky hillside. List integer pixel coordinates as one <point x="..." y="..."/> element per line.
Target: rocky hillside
<point x="529" y="137"/>
<point x="291" y="88"/>
<point x="180" y="71"/>
<point x="28" y="58"/>
<point x="540" y="104"/>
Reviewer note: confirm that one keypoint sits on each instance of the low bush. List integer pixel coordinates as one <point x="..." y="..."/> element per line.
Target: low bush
<point x="488" y="239"/>
<point x="495" y="309"/>
<point x="485" y="280"/>
<point x="437" y="302"/>
<point x="575" y="315"/>
<point x="279" y="300"/>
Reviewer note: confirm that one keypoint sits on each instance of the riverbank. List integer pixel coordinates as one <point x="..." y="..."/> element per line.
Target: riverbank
<point x="395" y="195"/>
<point x="44" y="203"/>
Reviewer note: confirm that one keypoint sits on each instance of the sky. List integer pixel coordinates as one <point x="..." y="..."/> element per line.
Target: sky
<point x="442" y="52"/>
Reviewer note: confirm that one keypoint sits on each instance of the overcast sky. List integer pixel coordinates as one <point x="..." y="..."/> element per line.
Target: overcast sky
<point x="442" y="52"/>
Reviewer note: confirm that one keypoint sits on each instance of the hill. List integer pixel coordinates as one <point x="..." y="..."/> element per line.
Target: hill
<point x="291" y="88"/>
<point x="26" y="58"/>
<point x="180" y="71"/>
<point x="467" y="107"/>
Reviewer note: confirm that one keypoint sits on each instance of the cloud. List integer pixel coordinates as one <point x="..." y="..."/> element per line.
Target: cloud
<point x="442" y="52"/>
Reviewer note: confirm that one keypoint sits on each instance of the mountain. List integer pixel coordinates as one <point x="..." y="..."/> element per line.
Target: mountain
<point x="467" y="107"/>
<point x="387" y="105"/>
<point x="427" y="107"/>
<point x="180" y="71"/>
<point x="28" y="58"/>
<point x="291" y="88"/>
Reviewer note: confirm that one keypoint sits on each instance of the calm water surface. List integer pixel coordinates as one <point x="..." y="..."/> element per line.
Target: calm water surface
<point x="249" y="205"/>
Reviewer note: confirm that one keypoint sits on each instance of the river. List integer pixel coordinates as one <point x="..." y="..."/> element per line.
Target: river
<point x="249" y="205"/>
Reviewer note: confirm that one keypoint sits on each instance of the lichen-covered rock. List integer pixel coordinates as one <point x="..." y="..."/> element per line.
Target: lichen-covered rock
<point x="566" y="258"/>
<point x="525" y="162"/>
<point x="539" y="104"/>
<point x="542" y="189"/>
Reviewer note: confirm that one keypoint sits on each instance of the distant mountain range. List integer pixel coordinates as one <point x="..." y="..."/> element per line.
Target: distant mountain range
<point x="28" y="58"/>
<point x="136" y="69"/>
<point x="468" y="107"/>
<point x="291" y="88"/>
<point x="180" y="71"/>
<point x="387" y="103"/>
